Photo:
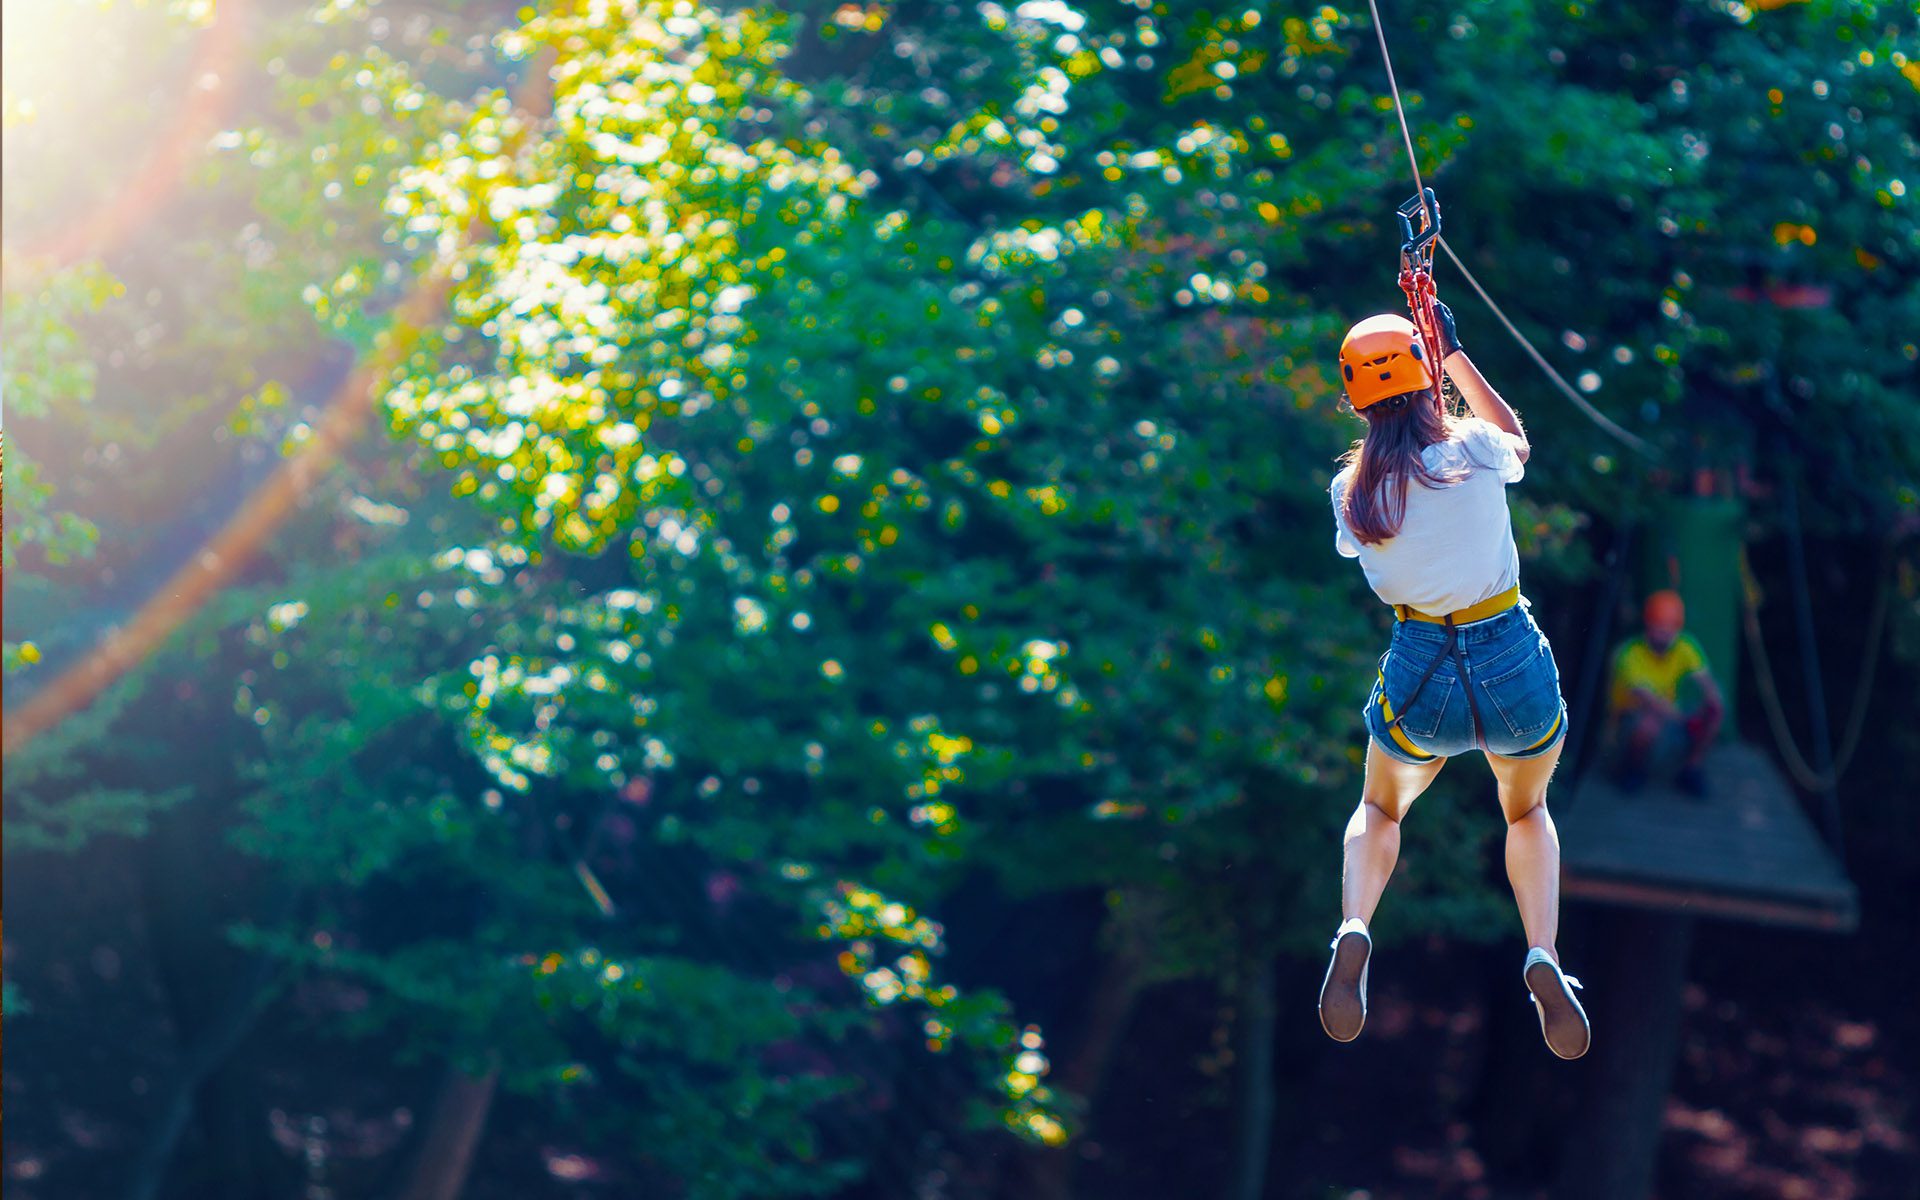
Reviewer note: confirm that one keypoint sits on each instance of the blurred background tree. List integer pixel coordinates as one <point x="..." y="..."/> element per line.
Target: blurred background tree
<point x="871" y="623"/>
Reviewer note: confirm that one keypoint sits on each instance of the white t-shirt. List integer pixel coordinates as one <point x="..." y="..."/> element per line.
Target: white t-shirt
<point x="1455" y="547"/>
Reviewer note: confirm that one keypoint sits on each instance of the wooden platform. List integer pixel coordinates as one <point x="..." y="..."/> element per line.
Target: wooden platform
<point x="1746" y="852"/>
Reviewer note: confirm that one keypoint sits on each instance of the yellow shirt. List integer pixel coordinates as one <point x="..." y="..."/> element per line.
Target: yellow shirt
<point x="1639" y="665"/>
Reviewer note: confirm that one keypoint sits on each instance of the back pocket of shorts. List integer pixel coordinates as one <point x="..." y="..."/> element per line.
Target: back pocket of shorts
<point x="1425" y="711"/>
<point x="1527" y="696"/>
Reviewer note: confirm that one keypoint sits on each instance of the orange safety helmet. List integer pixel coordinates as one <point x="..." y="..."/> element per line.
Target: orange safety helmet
<point x="1382" y="357"/>
<point x="1665" y="608"/>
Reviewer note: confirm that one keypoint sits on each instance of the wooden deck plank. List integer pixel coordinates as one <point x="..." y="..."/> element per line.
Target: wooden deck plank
<point x="1746" y="851"/>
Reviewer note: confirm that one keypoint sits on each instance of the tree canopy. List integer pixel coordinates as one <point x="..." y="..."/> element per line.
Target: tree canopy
<point x="870" y="466"/>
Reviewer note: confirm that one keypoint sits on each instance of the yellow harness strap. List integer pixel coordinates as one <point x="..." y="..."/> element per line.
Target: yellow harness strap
<point x="1393" y="727"/>
<point x="1551" y="730"/>
<point x="1493" y="606"/>
<point x="1406" y="743"/>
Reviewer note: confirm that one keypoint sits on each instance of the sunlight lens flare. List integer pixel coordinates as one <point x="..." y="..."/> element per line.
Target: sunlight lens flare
<point x="69" y="65"/>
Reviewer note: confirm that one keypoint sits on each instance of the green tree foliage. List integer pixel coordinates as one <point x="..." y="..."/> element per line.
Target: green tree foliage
<point x="1737" y="229"/>
<point x="888" y="451"/>
<point x="47" y="368"/>
<point x="883" y="486"/>
<point x="918" y="406"/>
<point x="49" y="377"/>
<point x="606" y="753"/>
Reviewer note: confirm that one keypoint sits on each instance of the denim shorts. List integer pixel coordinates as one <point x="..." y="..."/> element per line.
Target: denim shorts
<point x="1510" y="683"/>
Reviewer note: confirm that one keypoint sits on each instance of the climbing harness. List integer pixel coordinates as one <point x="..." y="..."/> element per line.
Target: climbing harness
<point x="1450" y="651"/>
<point x="1479" y="612"/>
<point x="1493" y="606"/>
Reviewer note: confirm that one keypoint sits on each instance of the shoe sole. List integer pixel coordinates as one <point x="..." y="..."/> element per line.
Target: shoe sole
<point x="1343" y="1006"/>
<point x="1562" y="1021"/>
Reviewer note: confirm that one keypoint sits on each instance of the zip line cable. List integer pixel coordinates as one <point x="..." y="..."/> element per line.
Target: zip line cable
<point x="1419" y="190"/>
<point x="1380" y="31"/>
<point x="1581" y="402"/>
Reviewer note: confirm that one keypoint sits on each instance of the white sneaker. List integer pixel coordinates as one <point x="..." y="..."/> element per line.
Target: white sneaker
<point x="1562" y="1021"/>
<point x="1343" y="995"/>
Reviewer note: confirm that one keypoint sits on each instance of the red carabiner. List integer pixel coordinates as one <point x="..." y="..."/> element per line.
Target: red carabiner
<point x="1416" y="278"/>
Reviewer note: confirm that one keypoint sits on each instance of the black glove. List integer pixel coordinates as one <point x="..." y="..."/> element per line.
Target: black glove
<point x="1449" y="336"/>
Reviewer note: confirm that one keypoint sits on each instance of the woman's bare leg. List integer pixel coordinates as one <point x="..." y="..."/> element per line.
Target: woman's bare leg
<point x="1372" y="846"/>
<point x="1373" y="833"/>
<point x="1533" y="846"/>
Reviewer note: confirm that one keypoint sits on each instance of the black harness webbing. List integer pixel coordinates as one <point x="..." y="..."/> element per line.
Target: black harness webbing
<point x="1450" y="650"/>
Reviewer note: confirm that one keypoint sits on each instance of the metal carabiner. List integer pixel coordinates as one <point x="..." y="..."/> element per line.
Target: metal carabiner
<point x="1427" y="207"/>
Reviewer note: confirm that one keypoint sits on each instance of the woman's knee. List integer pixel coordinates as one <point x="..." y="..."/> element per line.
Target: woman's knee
<point x="1520" y="806"/>
<point x="1374" y="810"/>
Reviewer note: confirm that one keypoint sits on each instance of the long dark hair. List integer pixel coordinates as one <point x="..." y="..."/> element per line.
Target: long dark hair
<point x="1398" y="429"/>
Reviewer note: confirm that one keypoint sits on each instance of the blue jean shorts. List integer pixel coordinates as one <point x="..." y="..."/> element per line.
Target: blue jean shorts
<point x="1500" y="671"/>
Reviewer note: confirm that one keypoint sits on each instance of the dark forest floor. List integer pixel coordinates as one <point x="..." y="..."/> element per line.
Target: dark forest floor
<point x="1784" y="1090"/>
<point x="1796" y="1079"/>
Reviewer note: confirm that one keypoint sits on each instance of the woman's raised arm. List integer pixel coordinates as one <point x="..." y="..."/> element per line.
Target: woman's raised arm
<point x="1479" y="394"/>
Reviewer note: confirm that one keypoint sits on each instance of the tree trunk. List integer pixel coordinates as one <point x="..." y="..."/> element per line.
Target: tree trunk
<point x="1521" y="1099"/>
<point x="1048" y="1174"/>
<point x="1636" y="1030"/>
<point x="1259" y="1014"/>
<point x="453" y="1135"/>
<point x="211" y="1051"/>
<point x="194" y="887"/>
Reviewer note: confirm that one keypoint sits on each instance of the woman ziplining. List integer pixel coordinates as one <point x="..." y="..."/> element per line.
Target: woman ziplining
<point x="1422" y="504"/>
<point x="1468" y="666"/>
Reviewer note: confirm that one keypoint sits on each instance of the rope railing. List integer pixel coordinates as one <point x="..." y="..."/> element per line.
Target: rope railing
<point x="1771" y="705"/>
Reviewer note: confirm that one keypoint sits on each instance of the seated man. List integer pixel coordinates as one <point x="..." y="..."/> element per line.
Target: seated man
<point x="1648" y="672"/>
